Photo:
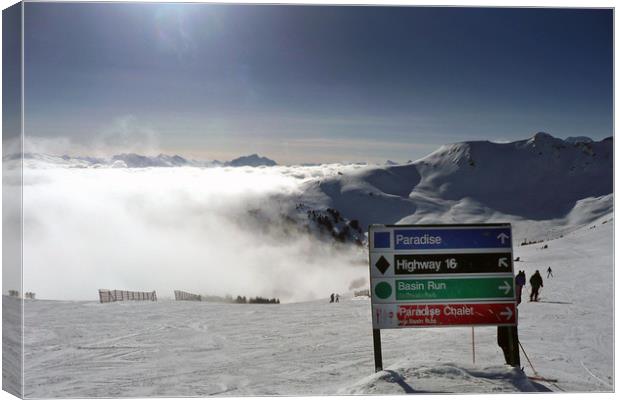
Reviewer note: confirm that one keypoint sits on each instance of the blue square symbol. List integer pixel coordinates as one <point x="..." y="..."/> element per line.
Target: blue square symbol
<point x="382" y="240"/>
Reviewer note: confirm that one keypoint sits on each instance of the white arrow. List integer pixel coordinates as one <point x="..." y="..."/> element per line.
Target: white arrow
<point x="505" y="287"/>
<point x="507" y="313"/>
<point x="502" y="262"/>
<point x="502" y="237"/>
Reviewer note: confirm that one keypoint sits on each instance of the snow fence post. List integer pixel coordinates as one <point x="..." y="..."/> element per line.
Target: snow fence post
<point x="376" y="341"/>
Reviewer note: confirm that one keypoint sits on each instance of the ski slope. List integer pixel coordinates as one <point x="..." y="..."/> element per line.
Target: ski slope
<point x="166" y="348"/>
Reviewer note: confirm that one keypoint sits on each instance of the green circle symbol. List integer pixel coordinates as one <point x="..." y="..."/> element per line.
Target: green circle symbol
<point x="383" y="290"/>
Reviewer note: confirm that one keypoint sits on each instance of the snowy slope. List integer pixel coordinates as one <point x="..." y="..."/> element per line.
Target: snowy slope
<point x="539" y="179"/>
<point x="570" y="332"/>
<point x="84" y="349"/>
<point x="11" y="345"/>
<point x="568" y="335"/>
<point x="406" y="377"/>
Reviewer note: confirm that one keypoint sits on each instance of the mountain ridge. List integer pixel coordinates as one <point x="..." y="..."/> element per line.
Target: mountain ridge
<point x="135" y="160"/>
<point x="539" y="178"/>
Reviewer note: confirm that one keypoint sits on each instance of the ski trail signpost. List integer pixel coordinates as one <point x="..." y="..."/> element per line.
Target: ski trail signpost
<point x="439" y="276"/>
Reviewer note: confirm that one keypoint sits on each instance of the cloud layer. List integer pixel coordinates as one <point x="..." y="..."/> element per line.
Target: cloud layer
<point x="211" y="231"/>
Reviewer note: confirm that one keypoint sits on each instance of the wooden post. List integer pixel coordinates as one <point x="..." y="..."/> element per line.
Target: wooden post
<point x="376" y="340"/>
<point x="508" y="340"/>
<point x="473" y="345"/>
<point x="513" y="345"/>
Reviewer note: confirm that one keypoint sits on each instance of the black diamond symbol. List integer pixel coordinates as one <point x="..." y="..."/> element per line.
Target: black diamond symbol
<point x="382" y="264"/>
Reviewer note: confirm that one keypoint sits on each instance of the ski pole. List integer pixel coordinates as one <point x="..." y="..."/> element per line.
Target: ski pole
<point x="528" y="359"/>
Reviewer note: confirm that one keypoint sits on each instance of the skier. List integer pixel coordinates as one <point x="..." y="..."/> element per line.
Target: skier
<point x="337" y="298"/>
<point x="331" y="298"/>
<point x="520" y="282"/>
<point x="549" y="272"/>
<point x="536" y="282"/>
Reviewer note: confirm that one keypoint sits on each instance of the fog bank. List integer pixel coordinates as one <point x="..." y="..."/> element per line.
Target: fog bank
<point x="211" y="231"/>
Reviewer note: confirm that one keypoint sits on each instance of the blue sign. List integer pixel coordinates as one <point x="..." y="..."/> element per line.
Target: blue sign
<point x="456" y="238"/>
<point x="382" y="240"/>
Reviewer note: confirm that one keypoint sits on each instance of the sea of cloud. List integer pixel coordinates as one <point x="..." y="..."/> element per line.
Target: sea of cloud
<point x="213" y="231"/>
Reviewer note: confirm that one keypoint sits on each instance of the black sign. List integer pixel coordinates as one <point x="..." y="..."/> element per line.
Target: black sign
<point x="382" y="264"/>
<point x="410" y="264"/>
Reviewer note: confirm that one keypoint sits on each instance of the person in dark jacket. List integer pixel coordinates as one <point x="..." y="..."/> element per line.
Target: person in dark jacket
<point x="536" y="282"/>
<point x="520" y="282"/>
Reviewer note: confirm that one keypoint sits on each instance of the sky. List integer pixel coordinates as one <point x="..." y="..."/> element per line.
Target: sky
<point x="309" y="83"/>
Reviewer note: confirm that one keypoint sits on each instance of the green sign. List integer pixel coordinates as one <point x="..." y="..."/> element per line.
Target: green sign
<point x="457" y="288"/>
<point x="383" y="290"/>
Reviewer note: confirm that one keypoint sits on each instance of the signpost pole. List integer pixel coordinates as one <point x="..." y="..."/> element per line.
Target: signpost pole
<point x="473" y="346"/>
<point x="376" y="340"/>
<point x="513" y="346"/>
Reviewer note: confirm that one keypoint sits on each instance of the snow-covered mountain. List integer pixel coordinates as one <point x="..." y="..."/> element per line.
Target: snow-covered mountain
<point x="253" y="160"/>
<point x="541" y="178"/>
<point x="35" y="160"/>
<point x="133" y="160"/>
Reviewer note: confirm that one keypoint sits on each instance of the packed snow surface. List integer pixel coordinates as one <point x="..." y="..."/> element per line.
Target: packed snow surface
<point x="166" y="348"/>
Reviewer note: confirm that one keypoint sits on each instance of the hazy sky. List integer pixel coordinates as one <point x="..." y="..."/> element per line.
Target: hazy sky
<point x="310" y="83"/>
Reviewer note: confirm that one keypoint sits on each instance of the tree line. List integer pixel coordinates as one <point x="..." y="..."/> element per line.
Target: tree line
<point x="256" y="300"/>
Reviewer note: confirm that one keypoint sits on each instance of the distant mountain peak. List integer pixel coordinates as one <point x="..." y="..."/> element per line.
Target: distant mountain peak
<point x="133" y="160"/>
<point x="253" y="160"/>
<point x="542" y="136"/>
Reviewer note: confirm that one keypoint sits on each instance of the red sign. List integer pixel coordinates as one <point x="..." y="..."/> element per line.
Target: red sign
<point x="455" y="314"/>
<point x="411" y="315"/>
